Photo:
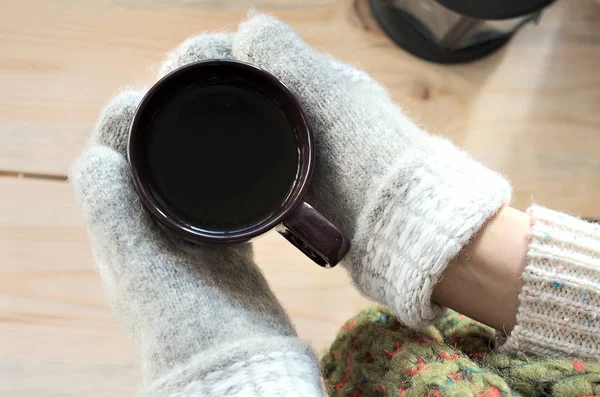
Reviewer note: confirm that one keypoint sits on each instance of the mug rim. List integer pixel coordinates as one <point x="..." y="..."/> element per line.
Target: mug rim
<point x="306" y="159"/>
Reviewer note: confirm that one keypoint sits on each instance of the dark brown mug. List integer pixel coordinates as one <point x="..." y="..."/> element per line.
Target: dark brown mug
<point x="221" y="151"/>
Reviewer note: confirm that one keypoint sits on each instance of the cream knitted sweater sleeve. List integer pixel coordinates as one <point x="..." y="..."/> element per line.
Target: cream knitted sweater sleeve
<point x="560" y="298"/>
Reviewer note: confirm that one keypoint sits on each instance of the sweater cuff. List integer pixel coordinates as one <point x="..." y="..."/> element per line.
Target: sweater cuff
<point x="426" y="209"/>
<point x="560" y="298"/>
<point x="237" y="370"/>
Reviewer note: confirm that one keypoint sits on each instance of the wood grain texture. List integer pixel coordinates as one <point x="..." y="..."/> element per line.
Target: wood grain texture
<point x="531" y="111"/>
<point x="58" y="337"/>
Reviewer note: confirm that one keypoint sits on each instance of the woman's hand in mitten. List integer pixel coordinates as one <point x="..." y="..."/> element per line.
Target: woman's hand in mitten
<point x="409" y="200"/>
<point x="203" y="319"/>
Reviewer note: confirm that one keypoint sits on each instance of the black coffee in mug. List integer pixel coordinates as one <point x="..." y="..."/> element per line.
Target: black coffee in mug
<point x="221" y="155"/>
<point x="221" y="151"/>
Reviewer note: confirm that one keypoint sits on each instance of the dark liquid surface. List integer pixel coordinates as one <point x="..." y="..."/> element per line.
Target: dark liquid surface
<point x="221" y="157"/>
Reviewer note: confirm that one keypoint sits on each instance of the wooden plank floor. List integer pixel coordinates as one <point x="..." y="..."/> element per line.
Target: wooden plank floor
<point x="531" y="111"/>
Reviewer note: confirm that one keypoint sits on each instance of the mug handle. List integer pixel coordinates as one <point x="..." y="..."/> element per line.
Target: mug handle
<point x="315" y="236"/>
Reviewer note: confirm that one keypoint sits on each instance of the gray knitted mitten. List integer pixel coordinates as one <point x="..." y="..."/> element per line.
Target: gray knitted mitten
<point x="203" y="319"/>
<point x="409" y="201"/>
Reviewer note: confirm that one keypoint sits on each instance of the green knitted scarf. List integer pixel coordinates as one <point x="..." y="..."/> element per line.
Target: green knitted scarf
<point x="375" y="355"/>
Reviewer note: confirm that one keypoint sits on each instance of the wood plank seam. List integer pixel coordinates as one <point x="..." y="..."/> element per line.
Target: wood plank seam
<point x="32" y="175"/>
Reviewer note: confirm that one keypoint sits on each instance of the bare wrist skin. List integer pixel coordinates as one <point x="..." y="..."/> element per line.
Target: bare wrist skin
<point x="483" y="282"/>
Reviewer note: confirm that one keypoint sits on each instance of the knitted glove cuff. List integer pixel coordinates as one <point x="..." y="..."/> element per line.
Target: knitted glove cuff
<point x="279" y="366"/>
<point x="425" y="210"/>
<point x="560" y="297"/>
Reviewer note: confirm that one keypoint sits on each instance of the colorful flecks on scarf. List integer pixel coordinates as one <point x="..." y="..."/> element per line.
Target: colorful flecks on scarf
<point x="374" y="355"/>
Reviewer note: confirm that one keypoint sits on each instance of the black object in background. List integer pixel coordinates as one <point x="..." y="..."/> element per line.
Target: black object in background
<point x="454" y="31"/>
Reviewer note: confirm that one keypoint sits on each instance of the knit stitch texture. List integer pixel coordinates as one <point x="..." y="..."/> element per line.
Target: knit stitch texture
<point x="375" y="355"/>
<point x="409" y="201"/>
<point x="560" y="298"/>
<point x="286" y="374"/>
<point x="203" y="318"/>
